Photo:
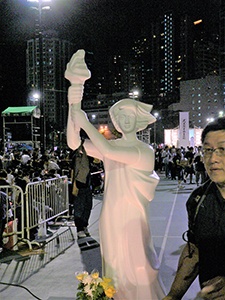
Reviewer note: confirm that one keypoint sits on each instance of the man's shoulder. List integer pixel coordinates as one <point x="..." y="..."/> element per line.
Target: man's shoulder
<point x="198" y="193"/>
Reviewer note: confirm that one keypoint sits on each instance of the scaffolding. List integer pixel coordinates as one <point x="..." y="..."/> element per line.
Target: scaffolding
<point x="21" y="125"/>
<point x="144" y="135"/>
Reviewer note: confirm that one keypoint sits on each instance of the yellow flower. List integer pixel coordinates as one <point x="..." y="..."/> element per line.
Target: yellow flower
<point x="80" y="276"/>
<point x="105" y="282"/>
<point x="104" y="285"/>
<point x="110" y="291"/>
<point x="106" y="279"/>
<point x="95" y="275"/>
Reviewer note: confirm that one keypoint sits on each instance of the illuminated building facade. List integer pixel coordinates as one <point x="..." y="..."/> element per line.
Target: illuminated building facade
<point x="202" y="98"/>
<point x="222" y="45"/>
<point x="55" y="54"/>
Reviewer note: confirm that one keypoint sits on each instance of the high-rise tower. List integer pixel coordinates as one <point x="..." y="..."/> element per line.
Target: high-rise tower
<point x="55" y="55"/>
<point x="222" y="45"/>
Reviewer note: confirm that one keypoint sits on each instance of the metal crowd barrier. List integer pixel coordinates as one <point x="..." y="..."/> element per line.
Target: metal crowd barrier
<point x="45" y="201"/>
<point x="11" y="215"/>
<point x="24" y="216"/>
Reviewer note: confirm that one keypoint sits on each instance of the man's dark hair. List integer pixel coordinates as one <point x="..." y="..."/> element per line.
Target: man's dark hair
<point x="218" y="124"/>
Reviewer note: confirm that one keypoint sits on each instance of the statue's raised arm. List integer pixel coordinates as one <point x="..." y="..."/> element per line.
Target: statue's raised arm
<point x="77" y="73"/>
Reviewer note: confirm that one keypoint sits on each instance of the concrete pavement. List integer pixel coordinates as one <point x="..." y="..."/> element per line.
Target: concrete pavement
<point x="51" y="275"/>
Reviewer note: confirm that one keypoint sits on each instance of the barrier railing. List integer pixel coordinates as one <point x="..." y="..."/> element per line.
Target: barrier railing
<point x="45" y="201"/>
<point x="11" y="215"/>
<point x="24" y="216"/>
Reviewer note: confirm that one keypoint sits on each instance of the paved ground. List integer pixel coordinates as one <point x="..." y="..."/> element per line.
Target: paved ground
<point x="56" y="280"/>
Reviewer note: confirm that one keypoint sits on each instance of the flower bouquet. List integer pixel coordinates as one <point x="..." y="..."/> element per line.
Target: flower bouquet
<point x="92" y="287"/>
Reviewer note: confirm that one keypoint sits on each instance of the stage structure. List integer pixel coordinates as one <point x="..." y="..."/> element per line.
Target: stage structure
<point x="21" y="126"/>
<point x="172" y="137"/>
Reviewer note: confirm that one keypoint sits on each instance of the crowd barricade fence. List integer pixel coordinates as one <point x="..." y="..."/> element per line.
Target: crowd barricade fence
<point x="11" y="215"/>
<point x="45" y="201"/>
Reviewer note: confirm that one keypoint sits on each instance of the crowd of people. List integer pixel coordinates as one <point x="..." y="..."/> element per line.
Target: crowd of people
<point x="181" y="164"/>
<point x="21" y="167"/>
<point x="31" y="165"/>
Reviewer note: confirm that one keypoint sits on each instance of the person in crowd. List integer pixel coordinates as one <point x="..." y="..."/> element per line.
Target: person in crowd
<point x="81" y="191"/>
<point x="3" y="177"/>
<point x="37" y="175"/>
<point x="178" y="166"/>
<point x="25" y="158"/>
<point x="54" y="173"/>
<point x="158" y="159"/>
<point x="52" y="164"/>
<point x="22" y="179"/>
<point x="10" y="176"/>
<point x="3" y="204"/>
<point x="203" y="255"/>
<point x="48" y="165"/>
<point x="1" y="158"/>
<point x="35" y="159"/>
<point x="172" y="164"/>
<point x="189" y="169"/>
<point x="199" y="167"/>
<point x="97" y="171"/>
<point x="16" y="160"/>
<point x="166" y="158"/>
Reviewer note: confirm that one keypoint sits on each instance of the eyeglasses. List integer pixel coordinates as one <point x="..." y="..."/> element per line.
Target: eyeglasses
<point x="220" y="151"/>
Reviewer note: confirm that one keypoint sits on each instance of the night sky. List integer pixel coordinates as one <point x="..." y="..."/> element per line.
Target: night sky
<point x="98" y="25"/>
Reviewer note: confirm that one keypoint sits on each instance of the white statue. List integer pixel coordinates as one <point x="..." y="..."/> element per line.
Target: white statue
<point x="128" y="255"/>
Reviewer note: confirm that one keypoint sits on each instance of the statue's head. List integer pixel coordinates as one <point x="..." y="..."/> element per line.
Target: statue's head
<point x="141" y="110"/>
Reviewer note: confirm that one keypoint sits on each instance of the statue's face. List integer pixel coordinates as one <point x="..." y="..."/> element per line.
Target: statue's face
<point x="127" y="120"/>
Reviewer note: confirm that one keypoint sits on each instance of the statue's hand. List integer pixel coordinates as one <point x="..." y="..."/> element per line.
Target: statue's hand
<point x="78" y="116"/>
<point x="76" y="70"/>
<point x="213" y="289"/>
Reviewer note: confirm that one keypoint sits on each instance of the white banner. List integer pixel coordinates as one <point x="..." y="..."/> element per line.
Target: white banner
<point x="184" y="129"/>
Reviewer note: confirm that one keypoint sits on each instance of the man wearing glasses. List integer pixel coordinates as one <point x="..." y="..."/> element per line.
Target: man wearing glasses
<point x="204" y="253"/>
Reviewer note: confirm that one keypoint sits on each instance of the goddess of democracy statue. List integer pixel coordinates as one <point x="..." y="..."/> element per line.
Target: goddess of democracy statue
<point x="128" y="254"/>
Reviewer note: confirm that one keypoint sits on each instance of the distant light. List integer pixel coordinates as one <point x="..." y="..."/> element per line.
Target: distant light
<point x="36" y="96"/>
<point x="198" y="22"/>
<point x="101" y="129"/>
<point x="93" y="117"/>
<point x="39" y="1"/>
<point x="210" y="119"/>
<point x="46" y="7"/>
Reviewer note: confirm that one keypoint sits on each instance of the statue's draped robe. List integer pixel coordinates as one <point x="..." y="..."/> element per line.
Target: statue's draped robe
<point x="128" y="254"/>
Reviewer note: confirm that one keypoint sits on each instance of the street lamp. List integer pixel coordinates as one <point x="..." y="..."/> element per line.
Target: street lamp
<point x="134" y="94"/>
<point x="40" y="6"/>
<point x="156" y="114"/>
<point x="36" y="97"/>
